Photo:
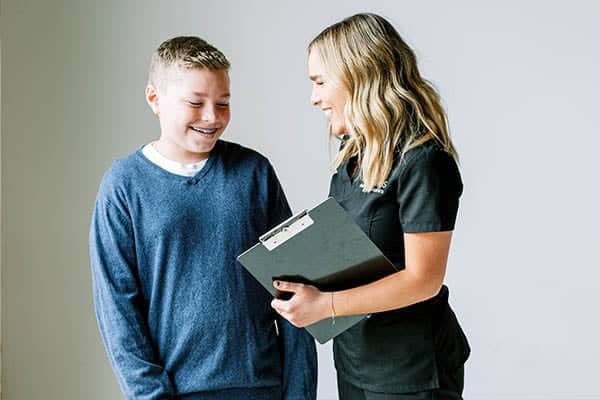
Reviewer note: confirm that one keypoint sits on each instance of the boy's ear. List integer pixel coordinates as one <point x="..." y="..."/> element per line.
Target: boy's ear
<point x="152" y="98"/>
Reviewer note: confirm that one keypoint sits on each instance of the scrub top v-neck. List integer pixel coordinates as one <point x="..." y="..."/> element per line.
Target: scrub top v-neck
<point x="401" y="350"/>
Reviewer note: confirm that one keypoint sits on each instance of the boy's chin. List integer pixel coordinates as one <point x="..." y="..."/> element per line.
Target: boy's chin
<point x="202" y="148"/>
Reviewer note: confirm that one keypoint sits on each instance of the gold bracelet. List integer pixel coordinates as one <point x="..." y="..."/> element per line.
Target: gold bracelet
<point x="332" y="310"/>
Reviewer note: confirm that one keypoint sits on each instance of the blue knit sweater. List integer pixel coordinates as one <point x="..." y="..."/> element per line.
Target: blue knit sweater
<point x="179" y="316"/>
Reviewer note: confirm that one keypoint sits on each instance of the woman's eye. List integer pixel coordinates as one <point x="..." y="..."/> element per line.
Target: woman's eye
<point x="195" y="104"/>
<point x="223" y="105"/>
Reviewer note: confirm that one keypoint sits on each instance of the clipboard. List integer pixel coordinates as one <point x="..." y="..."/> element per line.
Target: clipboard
<point x="322" y="247"/>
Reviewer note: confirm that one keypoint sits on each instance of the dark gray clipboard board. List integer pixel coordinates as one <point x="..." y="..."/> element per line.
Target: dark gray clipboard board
<point x="323" y="247"/>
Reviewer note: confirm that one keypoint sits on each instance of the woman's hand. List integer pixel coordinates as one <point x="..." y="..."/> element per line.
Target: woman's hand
<point x="307" y="305"/>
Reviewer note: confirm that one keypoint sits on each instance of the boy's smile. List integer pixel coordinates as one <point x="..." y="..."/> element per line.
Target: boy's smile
<point x="208" y="132"/>
<point x="193" y="109"/>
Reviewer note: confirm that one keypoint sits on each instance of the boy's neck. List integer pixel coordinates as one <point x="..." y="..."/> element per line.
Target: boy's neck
<point x="175" y="153"/>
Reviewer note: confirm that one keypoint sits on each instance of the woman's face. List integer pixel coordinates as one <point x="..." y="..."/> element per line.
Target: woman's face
<point x="327" y="94"/>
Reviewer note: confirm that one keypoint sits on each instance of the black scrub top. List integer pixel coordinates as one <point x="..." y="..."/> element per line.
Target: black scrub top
<point x="403" y="350"/>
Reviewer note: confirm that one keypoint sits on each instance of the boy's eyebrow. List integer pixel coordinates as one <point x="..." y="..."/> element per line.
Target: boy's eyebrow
<point x="202" y="94"/>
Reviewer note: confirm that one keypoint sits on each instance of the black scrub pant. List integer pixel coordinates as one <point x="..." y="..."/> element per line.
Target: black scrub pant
<point x="451" y="388"/>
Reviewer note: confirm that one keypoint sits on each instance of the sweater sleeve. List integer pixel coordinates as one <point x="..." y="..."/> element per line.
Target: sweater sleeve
<point x="297" y="345"/>
<point x="120" y="307"/>
<point x="299" y="362"/>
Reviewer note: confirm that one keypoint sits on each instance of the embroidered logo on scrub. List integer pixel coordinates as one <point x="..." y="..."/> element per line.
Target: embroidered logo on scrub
<point x="379" y="190"/>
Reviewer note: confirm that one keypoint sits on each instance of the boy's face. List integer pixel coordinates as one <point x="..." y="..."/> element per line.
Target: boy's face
<point x="193" y="109"/>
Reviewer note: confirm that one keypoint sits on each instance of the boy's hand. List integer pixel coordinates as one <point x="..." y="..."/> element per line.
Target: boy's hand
<point x="306" y="306"/>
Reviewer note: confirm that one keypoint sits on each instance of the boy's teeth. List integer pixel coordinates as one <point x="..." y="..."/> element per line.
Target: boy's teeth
<point x="204" y="130"/>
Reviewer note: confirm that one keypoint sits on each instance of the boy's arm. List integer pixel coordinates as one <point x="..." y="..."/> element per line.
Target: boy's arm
<point x="297" y="345"/>
<point x="299" y="362"/>
<point x="120" y="308"/>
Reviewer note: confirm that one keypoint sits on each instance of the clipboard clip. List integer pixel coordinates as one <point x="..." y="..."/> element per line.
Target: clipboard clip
<point x="286" y="230"/>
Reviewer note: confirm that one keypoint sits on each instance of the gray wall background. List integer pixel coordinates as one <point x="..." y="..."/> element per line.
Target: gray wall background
<point x="519" y="80"/>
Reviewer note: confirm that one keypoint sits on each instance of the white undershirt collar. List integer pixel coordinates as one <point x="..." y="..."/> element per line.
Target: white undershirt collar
<point x="172" y="166"/>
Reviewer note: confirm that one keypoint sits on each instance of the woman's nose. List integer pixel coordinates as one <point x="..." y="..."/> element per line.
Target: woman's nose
<point x="314" y="98"/>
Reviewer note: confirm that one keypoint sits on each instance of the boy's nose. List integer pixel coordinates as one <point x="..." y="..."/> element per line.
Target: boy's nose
<point x="208" y="116"/>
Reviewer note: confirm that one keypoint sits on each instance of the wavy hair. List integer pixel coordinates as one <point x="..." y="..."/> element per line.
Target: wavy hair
<point x="390" y="108"/>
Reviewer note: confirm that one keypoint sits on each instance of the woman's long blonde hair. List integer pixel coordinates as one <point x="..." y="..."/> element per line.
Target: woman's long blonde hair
<point x="389" y="106"/>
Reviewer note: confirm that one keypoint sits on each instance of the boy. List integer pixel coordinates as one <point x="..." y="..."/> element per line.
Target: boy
<point x="178" y="315"/>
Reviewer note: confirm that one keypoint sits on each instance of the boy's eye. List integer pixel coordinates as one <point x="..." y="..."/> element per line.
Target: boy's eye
<point x="196" y="105"/>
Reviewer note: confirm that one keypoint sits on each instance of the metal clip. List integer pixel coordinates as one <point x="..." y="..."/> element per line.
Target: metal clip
<point x="286" y="230"/>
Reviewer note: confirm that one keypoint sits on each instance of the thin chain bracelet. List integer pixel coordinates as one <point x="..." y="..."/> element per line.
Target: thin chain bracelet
<point x="332" y="310"/>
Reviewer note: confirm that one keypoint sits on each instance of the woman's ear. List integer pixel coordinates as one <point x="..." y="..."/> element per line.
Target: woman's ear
<point x="152" y="98"/>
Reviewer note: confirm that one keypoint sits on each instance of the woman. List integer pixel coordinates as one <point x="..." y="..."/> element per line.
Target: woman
<point x="397" y="176"/>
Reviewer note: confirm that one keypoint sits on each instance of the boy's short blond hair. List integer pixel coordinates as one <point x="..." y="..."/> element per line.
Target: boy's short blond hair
<point x="186" y="52"/>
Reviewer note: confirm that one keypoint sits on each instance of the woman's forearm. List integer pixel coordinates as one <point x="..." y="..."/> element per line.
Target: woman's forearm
<point x="394" y="291"/>
<point x="419" y="281"/>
